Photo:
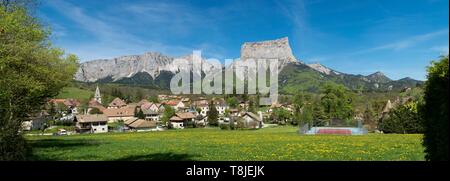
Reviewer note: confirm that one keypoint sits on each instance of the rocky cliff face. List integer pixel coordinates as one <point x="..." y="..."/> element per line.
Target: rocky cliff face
<point x="152" y="63"/>
<point x="272" y="49"/>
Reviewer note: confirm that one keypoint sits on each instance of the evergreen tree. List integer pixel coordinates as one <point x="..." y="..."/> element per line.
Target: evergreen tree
<point x="136" y="112"/>
<point x="141" y="114"/>
<point x="251" y="106"/>
<point x="213" y="115"/>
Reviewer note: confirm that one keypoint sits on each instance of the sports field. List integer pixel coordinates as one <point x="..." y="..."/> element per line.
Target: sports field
<point x="281" y="143"/>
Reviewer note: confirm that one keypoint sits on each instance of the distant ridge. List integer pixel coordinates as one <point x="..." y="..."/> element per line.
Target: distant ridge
<point x="156" y="70"/>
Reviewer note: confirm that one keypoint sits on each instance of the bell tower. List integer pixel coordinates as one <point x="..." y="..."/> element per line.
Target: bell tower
<point x="97" y="95"/>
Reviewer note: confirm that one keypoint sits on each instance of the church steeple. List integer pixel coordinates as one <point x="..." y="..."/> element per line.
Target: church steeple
<point x="97" y="95"/>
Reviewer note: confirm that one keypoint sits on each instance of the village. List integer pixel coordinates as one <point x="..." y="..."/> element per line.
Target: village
<point x="118" y="116"/>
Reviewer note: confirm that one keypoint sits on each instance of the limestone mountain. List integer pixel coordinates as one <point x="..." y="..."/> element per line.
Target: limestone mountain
<point x="154" y="69"/>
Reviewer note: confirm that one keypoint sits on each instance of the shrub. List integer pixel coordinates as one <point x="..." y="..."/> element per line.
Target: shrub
<point x="224" y="127"/>
<point x="404" y="119"/>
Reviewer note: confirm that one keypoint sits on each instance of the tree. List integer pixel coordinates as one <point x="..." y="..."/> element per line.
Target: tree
<point x="435" y="111"/>
<point x="281" y="115"/>
<point x="95" y="110"/>
<point x="153" y="99"/>
<point x="139" y="95"/>
<point x="300" y="102"/>
<point x="168" y="113"/>
<point x="52" y="111"/>
<point x="213" y="115"/>
<point x="404" y="119"/>
<point x="141" y="114"/>
<point x="232" y="102"/>
<point x="226" y="112"/>
<point x="31" y="72"/>
<point x="306" y="116"/>
<point x="319" y="116"/>
<point x="251" y="106"/>
<point x="369" y="117"/>
<point x="337" y="102"/>
<point x="136" y="112"/>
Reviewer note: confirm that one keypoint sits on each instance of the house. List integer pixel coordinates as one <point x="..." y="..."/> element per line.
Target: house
<point x="186" y="101"/>
<point x="274" y="106"/>
<point x="36" y="121"/>
<point x="176" y="104"/>
<point x="203" y="105"/>
<point x="252" y="120"/>
<point x="221" y="106"/>
<point x="142" y="125"/>
<point x="243" y="105"/>
<point x="91" y="123"/>
<point x="186" y="116"/>
<point x="117" y="103"/>
<point x="180" y="120"/>
<point x="163" y="97"/>
<point x="234" y="112"/>
<point x="128" y="122"/>
<point x="93" y="103"/>
<point x="71" y="105"/>
<point x="176" y="122"/>
<point x="122" y="113"/>
<point x="200" y="120"/>
<point x="151" y="115"/>
<point x="142" y="102"/>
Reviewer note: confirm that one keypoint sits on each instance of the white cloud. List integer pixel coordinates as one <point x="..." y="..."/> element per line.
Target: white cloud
<point x="405" y="43"/>
<point x="110" y="38"/>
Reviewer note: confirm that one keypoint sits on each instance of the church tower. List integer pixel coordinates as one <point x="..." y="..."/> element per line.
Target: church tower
<point x="97" y="95"/>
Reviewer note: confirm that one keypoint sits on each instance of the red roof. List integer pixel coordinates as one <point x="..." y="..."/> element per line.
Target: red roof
<point x="172" y="102"/>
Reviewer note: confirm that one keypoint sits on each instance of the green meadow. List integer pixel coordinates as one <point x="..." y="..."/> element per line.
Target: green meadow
<point x="280" y="143"/>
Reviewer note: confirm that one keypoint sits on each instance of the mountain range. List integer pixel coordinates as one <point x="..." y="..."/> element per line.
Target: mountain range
<point x="154" y="69"/>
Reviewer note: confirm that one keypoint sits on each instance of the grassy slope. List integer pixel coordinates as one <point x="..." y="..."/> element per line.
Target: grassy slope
<point x="76" y="93"/>
<point x="213" y="144"/>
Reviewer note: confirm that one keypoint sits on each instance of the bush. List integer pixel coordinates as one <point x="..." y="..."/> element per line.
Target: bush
<point x="435" y="111"/>
<point x="404" y="119"/>
<point x="13" y="147"/>
<point x="224" y="127"/>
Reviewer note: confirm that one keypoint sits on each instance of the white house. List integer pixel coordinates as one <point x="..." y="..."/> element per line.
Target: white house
<point x="176" y="122"/>
<point x="252" y="120"/>
<point x="91" y="123"/>
<point x="36" y="121"/>
<point x="151" y="115"/>
<point x="221" y="107"/>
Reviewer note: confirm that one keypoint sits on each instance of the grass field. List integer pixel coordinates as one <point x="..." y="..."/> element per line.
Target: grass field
<point x="75" y="93"/>
<point x="282" y="143"/>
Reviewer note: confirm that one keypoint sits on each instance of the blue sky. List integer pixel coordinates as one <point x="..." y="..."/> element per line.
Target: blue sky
<point x="397" y="37"/>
